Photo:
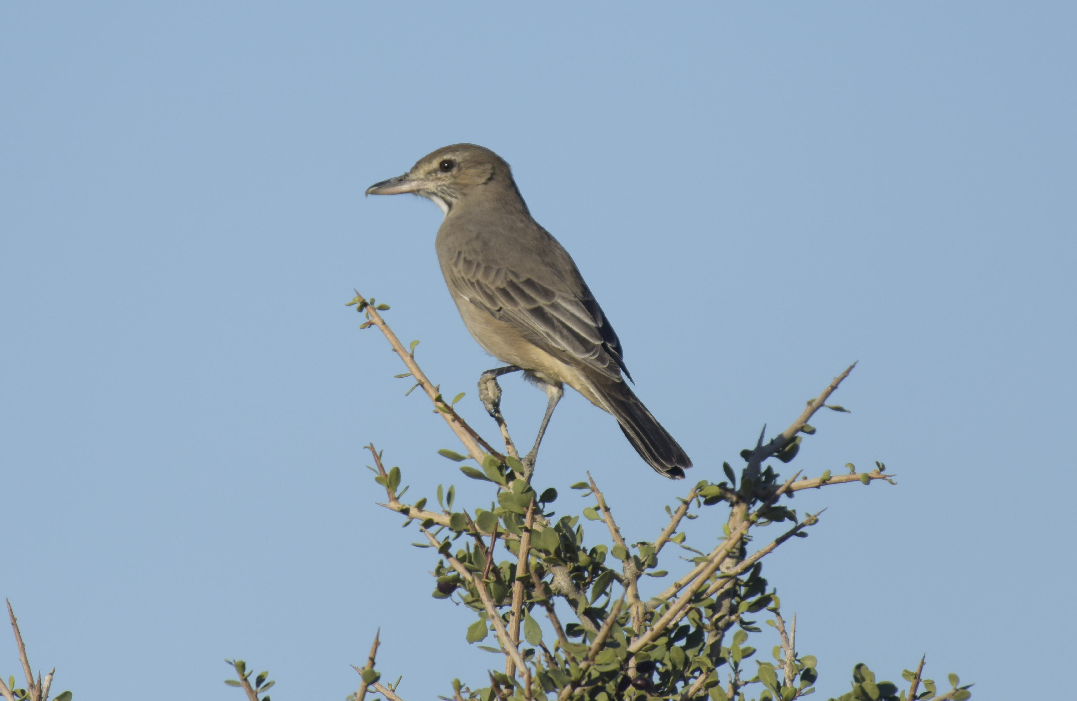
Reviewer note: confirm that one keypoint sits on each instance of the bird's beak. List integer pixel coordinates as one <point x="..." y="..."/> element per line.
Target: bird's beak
<point x="395" y="186"/>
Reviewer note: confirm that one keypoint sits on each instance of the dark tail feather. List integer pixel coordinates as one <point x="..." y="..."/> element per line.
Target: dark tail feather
<point x="651" y="441"/>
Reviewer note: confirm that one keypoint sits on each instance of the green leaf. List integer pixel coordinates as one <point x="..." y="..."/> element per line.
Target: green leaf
<point x="515" y="464"/>
<point x="458" y="522"/>
<point x="548" y="496"/>
<point x="837" y="407"/>
<point x="382" y="307"/>
<point x="865" y="478"/>
<point x="826" y="476"/>
<point x="545" y="540"/>
<point x="370" y="676"/>
<point x="767" y="676"/>
<point x="485" y="520"/>
<point x="808" y="429"/>
<point x="411" y="350"/>
<point x="456" y="399"/>
<point x="602" y="583"/>
<point x="450" y="497"/>
<point x="717" y="693"/>
<point x="394" y="479"/>
<point x="491" y="466"/>
<point x="451" y="455"/>
<point x="729" y="473"/>
<point x="590" y="514"/>
<point x="619" y="552"/>
<point x="232" y="682"/>
<point x="790" y="451"/>
<point x="477" y="632"/>
<point x="808" y="661"/>
<point x="955" y="681"/>
<point x="532" y="631"/>
<point x="511" y="502"/>
<point x="580" y="485"/>
<point x="473" y="473"/>
<point x="63" y="696"/>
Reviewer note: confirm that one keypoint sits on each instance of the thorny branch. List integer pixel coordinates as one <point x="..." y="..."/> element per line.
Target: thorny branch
<point x="631" y="574"/>
<point x="714" y="575"/>
<point x="491" y="611"/>
<point x="361" y="694"/>
<point x="474" y="443"/>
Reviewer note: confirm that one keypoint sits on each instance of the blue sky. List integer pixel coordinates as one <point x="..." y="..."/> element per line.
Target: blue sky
<point x="757" y="194"/>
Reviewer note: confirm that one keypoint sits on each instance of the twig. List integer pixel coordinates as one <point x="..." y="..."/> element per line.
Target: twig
<point x="916" y="679"/>
<point x="361" y="694"/>
<point x="787" y="647"/>
<point x="596" y="646"/>
<point x="758" y="555"/>
<point x="680" y="604"/>
<point x="720" y="551"/>
<point x="630" y="571"/>
<point x="32" y="689"/>
<point x="674" y="522"/>
<point x="386" y="692"/>
<point x="518" y="583"/>
<point x="838" y="479"/>
<point x="252" y="695"/>
<point x="474" y="443"/>
<point x="489" y="552"/>
<point x="488" y="605"/>
<point x="48" y="683"/>
<point x="762" y="452"/>
<point x="551" y="613"/>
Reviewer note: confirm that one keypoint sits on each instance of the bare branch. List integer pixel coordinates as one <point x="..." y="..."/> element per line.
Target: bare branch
<point x="916" y="679"/>
<point x="675" y="521"/>
<point x="758" y="555"/>
<point x="31" y="688"/>
<point x="838" y="479"/>
<point x="472" y="441"/>
<point x="487" y="604"/>
<point x="361" y="694"/>
<point x="6" y="692"/>
<point x="596" y="646"/>
<point x="541" y="590"/>
<point x="720" y="551"/>
<point x="630" y="572"/>
<point x="681" y="604"/>
<point x="47" y="685"/>
<point x="787" y="648"/>
<point x="779" y="442"/>
<point x="518" y="583"/>
<point x="386" y="692"/>
<point x="489" y="554"/>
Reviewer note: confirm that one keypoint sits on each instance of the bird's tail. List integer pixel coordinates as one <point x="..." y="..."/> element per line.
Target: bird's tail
<point x="651" y="441"/>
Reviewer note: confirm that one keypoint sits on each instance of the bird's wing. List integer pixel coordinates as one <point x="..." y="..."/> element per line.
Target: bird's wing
<point x="557" y="319"/>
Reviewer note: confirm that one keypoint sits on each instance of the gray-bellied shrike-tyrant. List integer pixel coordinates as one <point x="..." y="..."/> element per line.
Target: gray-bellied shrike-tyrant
<point x="522" y="297"/>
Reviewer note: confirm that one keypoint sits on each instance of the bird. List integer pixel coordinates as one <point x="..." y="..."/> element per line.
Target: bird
<point x="523" y="299"/>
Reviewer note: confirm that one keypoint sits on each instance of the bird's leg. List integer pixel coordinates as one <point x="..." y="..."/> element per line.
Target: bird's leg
<point x="490" y="396"/>
<point x="554" y="392"/>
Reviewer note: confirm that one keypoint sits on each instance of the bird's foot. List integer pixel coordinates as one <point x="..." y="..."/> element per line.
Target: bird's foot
<point x="490" y="390"/>
<point x="490" y="394"/>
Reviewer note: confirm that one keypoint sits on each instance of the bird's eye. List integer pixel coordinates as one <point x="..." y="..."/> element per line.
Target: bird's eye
<point x="447" y="165"/>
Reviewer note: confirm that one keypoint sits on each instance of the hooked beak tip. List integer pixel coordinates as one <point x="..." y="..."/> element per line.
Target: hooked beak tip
<point x="395" y="186"/>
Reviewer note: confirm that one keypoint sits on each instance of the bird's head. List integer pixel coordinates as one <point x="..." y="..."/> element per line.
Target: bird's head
<point x="450" y="175"/>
